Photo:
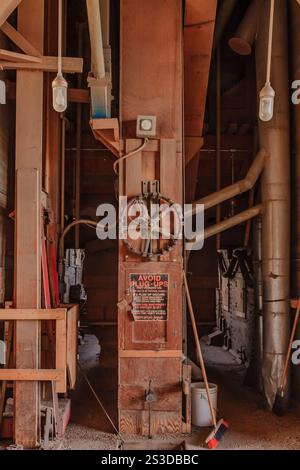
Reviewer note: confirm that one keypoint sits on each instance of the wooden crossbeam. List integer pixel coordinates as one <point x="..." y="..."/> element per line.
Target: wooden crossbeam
<point x="47" y="64"/>
<point x="32" y="375"/>
<point x="78" y="95"/>
<point x="32" y="314"/>
<point x="16" y="56"/>
<point x="19" y="40"/>
<point x="6" y="9"/>
<point x="59" y="375"/>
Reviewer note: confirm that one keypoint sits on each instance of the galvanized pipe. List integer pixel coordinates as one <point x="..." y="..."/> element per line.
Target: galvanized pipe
<point x="295" y="49"/>
<point x="230" y="223"/>
<point x="233" y="221"/>
<point x="243" y="40"/>
<point x="237" y="188"/>
<point x="95" y="28"/>
<point x="274" y="137"/>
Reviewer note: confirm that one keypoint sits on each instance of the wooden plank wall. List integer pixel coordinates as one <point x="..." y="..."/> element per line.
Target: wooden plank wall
<point x="198" y="39"/>
<point x="151" y="84"/>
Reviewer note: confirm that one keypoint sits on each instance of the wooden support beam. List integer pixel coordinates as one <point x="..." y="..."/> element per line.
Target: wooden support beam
<point x="19" y="40"/>
<point x="32" y="314"/>
<point x="149" y="354"/>
<point x="6" y="9"/>
<point x="72" y="342"/>
<point x="78" y="95"/>
<point x="198" y="40"/>
<point x="32" y="375"/>
<point x="16" y="56"/>
<point x="61" y="354"/>
<point x="47" y="64"/>
<point x="29" y="163"/>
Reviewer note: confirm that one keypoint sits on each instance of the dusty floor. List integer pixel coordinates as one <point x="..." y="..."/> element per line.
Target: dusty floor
<point x="251" y="426"/>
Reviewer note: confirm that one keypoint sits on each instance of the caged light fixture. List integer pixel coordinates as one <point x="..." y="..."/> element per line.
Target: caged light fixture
<point x="267" y="94"/>
<point x="59" y="84"/>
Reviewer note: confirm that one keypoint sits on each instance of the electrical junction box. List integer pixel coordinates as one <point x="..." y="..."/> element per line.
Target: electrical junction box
<point x="146" y="126"/>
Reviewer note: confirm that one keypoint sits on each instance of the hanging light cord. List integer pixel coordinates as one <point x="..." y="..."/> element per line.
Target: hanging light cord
<point x="60" y="22"/>
<point x="271" y="29"/>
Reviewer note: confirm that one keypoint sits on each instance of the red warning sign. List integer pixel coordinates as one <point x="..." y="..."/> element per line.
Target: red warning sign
<point x="150" y="296"/>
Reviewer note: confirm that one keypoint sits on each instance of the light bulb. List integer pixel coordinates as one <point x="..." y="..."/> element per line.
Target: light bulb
<point x="266" y="104"/>
<point x="60" y="94"/>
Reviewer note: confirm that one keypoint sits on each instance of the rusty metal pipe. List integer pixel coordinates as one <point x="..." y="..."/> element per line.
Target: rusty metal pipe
<point x="295" y="49"/>
<point x="243" y="40"/>
<point x="274" y="136"/>
<point x="230" y="223"/>
<point x="223" y="17"/>
<point x="233" y="221"/>
<point x="237" y="188"/>
<point x="258" y="299"/>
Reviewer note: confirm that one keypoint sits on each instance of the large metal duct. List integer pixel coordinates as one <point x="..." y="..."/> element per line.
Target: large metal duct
<point x="99" y="80"/>
<point x="295" y="48"/>
<point x="244" y="38"/>
<point x="276" y="219"/>
<point x="224" y="15"/>
<point x="95" y="28"/>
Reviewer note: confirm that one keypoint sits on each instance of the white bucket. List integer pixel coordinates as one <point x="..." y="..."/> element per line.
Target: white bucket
<point x="201" y="415"/>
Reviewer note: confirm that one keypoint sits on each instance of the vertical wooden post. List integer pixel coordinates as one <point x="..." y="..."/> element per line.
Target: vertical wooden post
<point x="29" y="145"/>
<point x="150" y="351"/>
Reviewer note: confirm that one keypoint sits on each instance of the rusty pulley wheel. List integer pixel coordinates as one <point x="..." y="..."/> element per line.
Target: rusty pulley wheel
<point x="149" y="234"/>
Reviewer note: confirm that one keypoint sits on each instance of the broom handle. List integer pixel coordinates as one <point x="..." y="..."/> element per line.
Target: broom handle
<point x="198" y="346"/>
<point x="297" y="316"/>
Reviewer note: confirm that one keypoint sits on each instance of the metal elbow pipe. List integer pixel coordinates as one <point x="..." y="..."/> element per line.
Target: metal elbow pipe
<point x="237" y="188"/>
<point x="229" y="223"/>
<point x="244" y="38"/>
<point x="255" y="170"/>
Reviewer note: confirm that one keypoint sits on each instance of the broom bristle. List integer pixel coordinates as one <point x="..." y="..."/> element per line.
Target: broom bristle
<point x="217" y="435"/>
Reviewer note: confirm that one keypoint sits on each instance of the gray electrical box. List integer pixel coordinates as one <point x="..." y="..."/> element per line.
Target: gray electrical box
<point x="146" y="127"/>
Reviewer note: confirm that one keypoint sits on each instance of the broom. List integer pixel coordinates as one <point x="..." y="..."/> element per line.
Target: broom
<point x="221" y="426"/>
<point x="279" y="405"/>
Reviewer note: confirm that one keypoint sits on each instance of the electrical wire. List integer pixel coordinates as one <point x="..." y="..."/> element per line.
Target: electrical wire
<point x="128" y="155"/>
<point x="271" y="29"/>
<point x="60" y="22"/>
<point x="100" y="403"/>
